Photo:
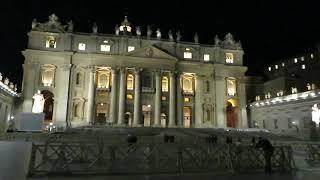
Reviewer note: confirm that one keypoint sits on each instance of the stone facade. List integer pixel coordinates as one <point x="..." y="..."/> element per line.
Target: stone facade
<point x="285" y="102"/>
<point x="128" y="79"/>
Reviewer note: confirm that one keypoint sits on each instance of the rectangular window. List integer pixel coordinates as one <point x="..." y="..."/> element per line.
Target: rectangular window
<point x="269" y="68"/>
<point x="82" y="46"/>
<point x="303" y="66"/>
<point x="295" y="60"/>
<point x="311" y="55"/>
<point x="302" y="58"/>
<point x="51" y="42"/>
<point x="187" y="55"/>
<point x="206" y="57"/>
<point x="186" y="99"/>
<point x="231" y="87"/>
<point x="276" y="66"/>
<point x="129" y="96"/>
<point x="229" y="58"/>
<point x="105" y="47"/>
<point x="131" y="48"/>
<point x="163" y="98"/>
<point x="282" y="64"/>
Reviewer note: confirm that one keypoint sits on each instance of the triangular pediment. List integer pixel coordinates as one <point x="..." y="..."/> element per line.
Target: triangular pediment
<point x="151" y="52"/>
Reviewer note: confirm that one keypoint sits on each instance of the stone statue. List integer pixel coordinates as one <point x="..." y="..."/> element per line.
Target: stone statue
<point x="228" y="39"/>
<point x="94" y="28"/>
<point x="196" y="38"/>
<point x="6" y="81"/>
<point x="216" y="40"/>
<point x="70" y="26"/>
<point x="294" y="90"/>
<point x="170" y="35"/>
<point x="34" y="23"/>
<point x="53" y="18"/>
<point x="11" y="86"/>
<point x="116" y="29"/>
<point x="38" y="102"/>
<point x="149" y="31"/>
<point x="0" y="77"/>
<point x="178" y="35"/>
<point x="138" y="31"/>
<point x="15" y="88"/>
<point x="308" y="87"/>
<point x="316" y="114"/>
<point x="158" y="33"/>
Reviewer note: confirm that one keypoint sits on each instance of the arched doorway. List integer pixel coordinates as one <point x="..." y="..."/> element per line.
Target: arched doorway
<point x="146" y="115"/>
<point x="186" y="116"/>
<point x="232" y="113"/>
<point x="128" y="118"/>
<point x="48" y="105"/>
<point x="163" y="120"/>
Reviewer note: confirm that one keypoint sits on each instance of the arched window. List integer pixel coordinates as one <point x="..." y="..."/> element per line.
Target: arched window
<point x="47" y="73"/>
<point x="164" y="84"/>
<point x="130" y="82"/>
<point x="103" y="81"/>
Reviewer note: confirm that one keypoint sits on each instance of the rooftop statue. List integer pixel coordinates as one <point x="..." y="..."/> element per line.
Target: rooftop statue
<point x="34" y="23"/>
<point x="0" y="77"/>
<point x="149" y="31"/>
<point x="170" y="35"/>
<point x="196" y="38"/>
<point x="178" y="35"/>
<point x="38" y="102"/>
<point x="217" y="41"/>
<point x="52" y="25"/>
<point x="11" y="86"/>
<point x="116" y="30"/>
<point x="94" y="28"/>
<point x="138" y="31"/>
<point x="70" y="26"/>
<point x="158" y="33"/>
<point x="6" y="81"/>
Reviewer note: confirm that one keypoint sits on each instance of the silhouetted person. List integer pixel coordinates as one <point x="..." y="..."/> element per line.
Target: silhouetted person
<point x="267" y="152"/>
<point x="229" y="140"/>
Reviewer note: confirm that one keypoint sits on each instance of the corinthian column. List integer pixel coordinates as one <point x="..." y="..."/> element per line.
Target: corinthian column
<point x="90" y="107"/>
<point x="122" y="96"/>
<point x="179" y="101"/>
<point x="172" y="102"/>
<point x="113" y="103"/>
<point x="157" y="99"/>
<point x="198" y="101"/>
<point x="137" y="101"/>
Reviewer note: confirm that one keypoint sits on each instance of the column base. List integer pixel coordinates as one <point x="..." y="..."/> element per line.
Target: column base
<point x="120" y="125"/>
<point x="156" y="126"/>
<point x="137" y="125"/>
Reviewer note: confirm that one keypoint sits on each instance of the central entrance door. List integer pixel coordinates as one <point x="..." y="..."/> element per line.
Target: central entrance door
<point x="186" y="116"/>
<point x="232" y="115"/>
<point x="146" y="115"/>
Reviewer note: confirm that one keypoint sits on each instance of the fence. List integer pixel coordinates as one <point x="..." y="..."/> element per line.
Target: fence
<point x="102" y="158"/>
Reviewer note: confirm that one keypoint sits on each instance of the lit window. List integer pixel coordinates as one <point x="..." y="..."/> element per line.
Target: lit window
<point x="231" y="87"/>
<point x="282" y="64"/>
<point x="302" y="58"/>
<point x="82" y="46"/>
<point x="103" y="79"/>
<point x="311" y="55"/>
<point x="276" y="66"/>
<point x="131" y="48"/>
<point x="48" y="72"/>
<point x="105" y="47"/>
<point x="229" y="58"/>
<point x="186" y="99"/>
<point x="187" y="82"/>
<point x="187" y="55"/>
<point x="129" y="96"/>
<point x="164" y="84"/>
<point x="269" y="68"/>
<point x="303" y="66"/>
<point x="130" y="81"/>
<point x="206" y="57"/>
<point x="163" y="98"/>
<point x="51" y="42"/>
<point x="295" y="60"/>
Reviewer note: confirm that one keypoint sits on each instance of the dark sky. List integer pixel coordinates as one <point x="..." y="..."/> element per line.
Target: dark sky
<point x="269" y="30"/>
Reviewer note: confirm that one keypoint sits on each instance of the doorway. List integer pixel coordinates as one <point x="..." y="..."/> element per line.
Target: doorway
<point x="232" y="113"/>
<point x="48" y="106"/>
<point x="186" y="116"/>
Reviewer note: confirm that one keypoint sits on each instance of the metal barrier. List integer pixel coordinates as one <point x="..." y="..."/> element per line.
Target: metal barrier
<point x="100" y="158"/>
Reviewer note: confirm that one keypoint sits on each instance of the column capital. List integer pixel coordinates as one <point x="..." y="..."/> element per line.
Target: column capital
<point x="122" y="70"/>
<point x="66" y="67"/>
<point x="114" y="70"/>
<point x="137" y="70"/>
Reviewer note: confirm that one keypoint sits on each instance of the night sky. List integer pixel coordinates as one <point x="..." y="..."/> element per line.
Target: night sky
<point x="269" y="30"/>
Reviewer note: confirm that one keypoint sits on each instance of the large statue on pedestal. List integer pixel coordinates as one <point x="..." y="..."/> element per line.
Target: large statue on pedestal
<point x="38" y="102"/>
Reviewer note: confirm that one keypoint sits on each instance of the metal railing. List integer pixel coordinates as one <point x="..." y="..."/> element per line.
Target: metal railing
<point x="101" y="158"/>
